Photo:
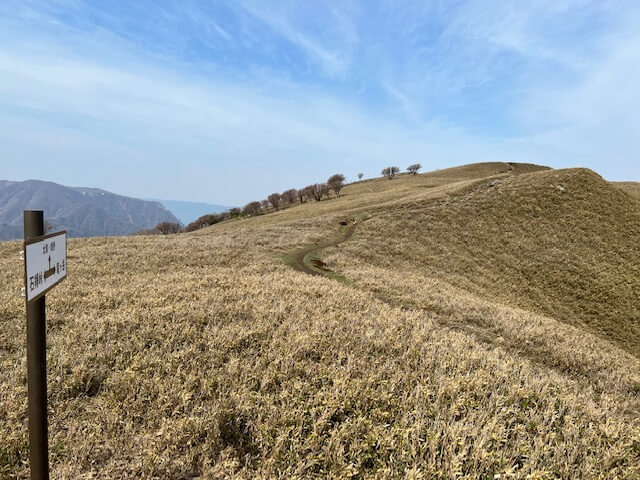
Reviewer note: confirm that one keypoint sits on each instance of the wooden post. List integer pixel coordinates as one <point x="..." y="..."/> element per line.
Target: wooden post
<point x="37" y="367"/>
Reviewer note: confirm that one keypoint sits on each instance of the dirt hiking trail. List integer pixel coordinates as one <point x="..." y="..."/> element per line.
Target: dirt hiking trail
<point x="308" y="260"/>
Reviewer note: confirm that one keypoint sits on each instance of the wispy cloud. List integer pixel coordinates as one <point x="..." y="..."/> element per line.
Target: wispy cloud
<point x="183" y="93"/>
<point x="325" y="35"/>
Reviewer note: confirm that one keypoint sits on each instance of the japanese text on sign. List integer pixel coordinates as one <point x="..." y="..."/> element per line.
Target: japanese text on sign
<point x="45" y="263"/>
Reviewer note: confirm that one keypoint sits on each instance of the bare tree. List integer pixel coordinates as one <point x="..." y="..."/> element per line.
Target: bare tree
<point x="265" y="204"/>
<point x="302" y="194"/>
<point x="390" y="172"/>
<point x="208" y="219"/>
<point x="252" y="209"/>
<point x="290" y="195"/>
<point x="360" y="175"/>
<point x="308" y="191"/>
<point x="413" y="169"/>
<point x="275" y="199"/>
<point x="317" y="191"/>
<point x="166" y="228"/>
<point x="336" y="182"/>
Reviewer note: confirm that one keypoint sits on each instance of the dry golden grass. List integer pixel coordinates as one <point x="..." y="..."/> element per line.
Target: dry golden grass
<point x="632" y="188"/>
<point x="205" y="356"/>
<point x="563" y="243"/>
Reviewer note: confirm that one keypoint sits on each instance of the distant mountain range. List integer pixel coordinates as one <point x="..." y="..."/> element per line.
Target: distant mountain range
<point x="83" y="212"/>
<point x="187" y="212"/>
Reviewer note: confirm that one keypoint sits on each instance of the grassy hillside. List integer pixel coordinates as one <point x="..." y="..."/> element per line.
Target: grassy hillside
<point x="206" y="356"/>
<point x="632" y="188"/>
<point x="562" y="243"/>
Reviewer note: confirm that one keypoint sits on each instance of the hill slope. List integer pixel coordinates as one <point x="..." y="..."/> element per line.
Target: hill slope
<point x="235" y="365"/>
<point x="83" y="212"/>
<point x="632" y="188"/>
<point x="561" y="243"/>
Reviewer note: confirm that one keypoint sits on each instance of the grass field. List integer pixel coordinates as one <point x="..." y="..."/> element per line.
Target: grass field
<point x="632" y="188"/>
<point x="488" y="324"/>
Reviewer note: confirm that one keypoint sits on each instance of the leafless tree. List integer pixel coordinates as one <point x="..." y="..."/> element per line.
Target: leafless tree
<point x="308" y="191"/>
<point x="360" y="175"/>
<point x="212" y="219"/>
<point x="166" y="228"/>
<point x="265" y="204"/>
<point x="290" y="195"/>
<point x="302" y="194"/>
<point x="413" y="169"/>
<point x="252" y="209"/>
<point x="390" y="172"/>
<point x="336" y="182"/>
<point x="208" y="219"/>
<point x="317" y="191"/>
<point x="275" y="199"/>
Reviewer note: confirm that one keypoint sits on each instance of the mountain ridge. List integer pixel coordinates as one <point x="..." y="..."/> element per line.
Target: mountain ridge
<point x="82" y="211"/>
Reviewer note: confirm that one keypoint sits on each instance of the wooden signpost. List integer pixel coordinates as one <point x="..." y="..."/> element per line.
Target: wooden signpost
<point x="45" y="265"/>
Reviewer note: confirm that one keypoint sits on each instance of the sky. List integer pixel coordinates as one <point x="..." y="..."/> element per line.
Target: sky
<point x="228" y="101"/>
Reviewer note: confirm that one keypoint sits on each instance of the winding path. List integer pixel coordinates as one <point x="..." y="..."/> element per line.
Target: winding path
<point x="307" y="259"/>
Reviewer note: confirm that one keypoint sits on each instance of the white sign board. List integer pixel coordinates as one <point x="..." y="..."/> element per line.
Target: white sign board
<point x="45" y="262"/>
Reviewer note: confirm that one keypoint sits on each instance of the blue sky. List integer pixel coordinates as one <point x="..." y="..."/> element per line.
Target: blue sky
<point x="226" y="102"/>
